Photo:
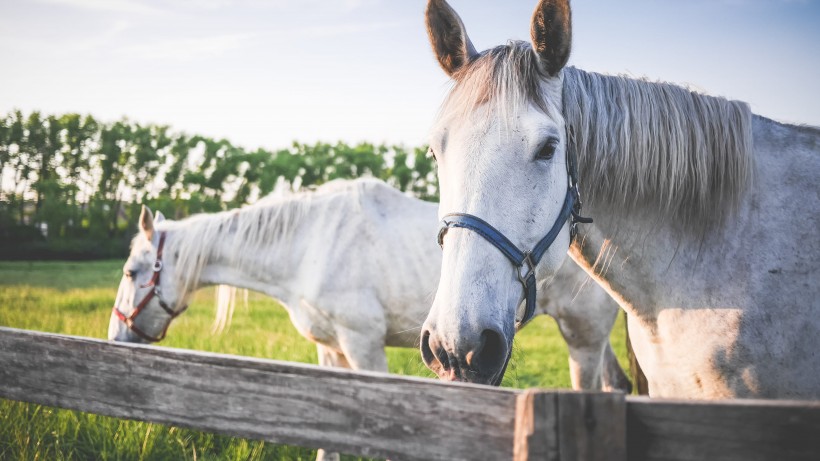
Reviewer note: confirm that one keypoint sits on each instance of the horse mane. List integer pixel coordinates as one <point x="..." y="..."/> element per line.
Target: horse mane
<point x="658" y="149"/>
<point x="649" y="148"/>
<point x="269" y="221"/>
<point x="249" y="228"/>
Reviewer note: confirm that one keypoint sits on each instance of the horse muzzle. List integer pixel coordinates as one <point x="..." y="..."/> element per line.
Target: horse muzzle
<point x="480" y="357"/>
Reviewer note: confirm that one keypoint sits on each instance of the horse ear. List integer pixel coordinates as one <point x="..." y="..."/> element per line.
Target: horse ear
<point x="552" y="34"/>
<point x="147" y="222"/>
<point x="159" y="217"/>
<point x="448" y="36"/>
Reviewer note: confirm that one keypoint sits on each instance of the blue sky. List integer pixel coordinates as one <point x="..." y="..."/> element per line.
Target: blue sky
<point x="264" y="73"/>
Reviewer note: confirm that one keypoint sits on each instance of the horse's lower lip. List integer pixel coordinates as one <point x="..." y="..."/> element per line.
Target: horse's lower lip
<point x="468" y="377"/>
<point x="449" y="375"/>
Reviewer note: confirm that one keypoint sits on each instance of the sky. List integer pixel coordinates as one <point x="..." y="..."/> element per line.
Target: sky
<point x="265" y="73"/>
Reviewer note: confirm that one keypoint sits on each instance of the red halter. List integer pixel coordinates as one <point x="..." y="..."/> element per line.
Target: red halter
<point x="130" y="321"/>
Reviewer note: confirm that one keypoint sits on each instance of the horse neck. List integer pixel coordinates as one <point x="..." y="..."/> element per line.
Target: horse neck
<point x="621" y="262"/>
<point x="231" y="253"/>
<point x="646" y="258"/>
<point x="662" y="171"/>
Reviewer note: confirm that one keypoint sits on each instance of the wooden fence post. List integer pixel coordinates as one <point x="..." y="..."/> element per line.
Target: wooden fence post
<point x="570" y="426"/>
<point x="536" y="425"/>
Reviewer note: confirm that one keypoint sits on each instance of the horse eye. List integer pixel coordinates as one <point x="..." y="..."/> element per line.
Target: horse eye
<point x="130" y="274"/>
<point x="548" y="151"/>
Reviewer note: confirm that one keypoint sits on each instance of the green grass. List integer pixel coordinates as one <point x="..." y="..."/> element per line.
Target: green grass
<point x="76" y="298"/>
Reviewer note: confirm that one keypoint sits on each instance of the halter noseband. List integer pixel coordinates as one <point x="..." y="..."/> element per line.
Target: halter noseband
<point x="525" y="261"/>
<point x="130" y="320"/>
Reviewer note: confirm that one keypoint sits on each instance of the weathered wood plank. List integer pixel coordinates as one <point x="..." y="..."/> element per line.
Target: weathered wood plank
<point x="369" y="414"/>
<point x="570" y="426"/>
<point x="591" y="426"/>
<point x="747" y="430"/>
<point x="373" y="414"/>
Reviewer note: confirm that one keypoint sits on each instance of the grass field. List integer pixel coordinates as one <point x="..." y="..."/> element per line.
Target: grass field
<point x="75" y="298"/>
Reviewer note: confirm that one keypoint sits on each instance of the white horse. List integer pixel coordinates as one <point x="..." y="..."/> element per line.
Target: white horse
<point x="355" y="263"/>
<point x="706" y="216"/>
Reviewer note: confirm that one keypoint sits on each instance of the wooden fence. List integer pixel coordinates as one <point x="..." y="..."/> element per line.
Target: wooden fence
<point x="389" y="416"/>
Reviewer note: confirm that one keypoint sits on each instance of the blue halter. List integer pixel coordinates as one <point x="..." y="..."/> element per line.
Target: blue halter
<point x="524" y="261"/>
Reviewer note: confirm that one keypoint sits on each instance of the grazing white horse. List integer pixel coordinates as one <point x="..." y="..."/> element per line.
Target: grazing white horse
<point x="706" y="216"/>
<point x="355" y="263"/>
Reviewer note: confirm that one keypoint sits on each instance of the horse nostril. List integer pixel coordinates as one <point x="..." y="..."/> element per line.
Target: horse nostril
<point x="434" y="356"/>
<point x="490" y="354"/>
<point x="426" y="353"/>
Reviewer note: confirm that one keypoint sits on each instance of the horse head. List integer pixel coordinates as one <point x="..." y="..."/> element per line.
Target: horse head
<point x="500" y="138"/>
<point x="149" y="296"/>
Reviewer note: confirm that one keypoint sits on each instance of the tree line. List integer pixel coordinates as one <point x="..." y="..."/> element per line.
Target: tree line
<point x="72" y="186"/>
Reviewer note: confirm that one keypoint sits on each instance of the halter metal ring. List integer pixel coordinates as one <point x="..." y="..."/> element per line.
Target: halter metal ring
<point x="528" y="264"/>
<point x="157" y="265"/>
<point x="442" y="230"/>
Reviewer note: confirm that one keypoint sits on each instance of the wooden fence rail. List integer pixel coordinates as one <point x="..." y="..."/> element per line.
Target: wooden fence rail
<point x="380" y="415"/>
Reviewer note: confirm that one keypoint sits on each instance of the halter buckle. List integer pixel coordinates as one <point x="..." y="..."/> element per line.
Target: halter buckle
<point x="157" y="265"/>
<point x="530" y="268"/>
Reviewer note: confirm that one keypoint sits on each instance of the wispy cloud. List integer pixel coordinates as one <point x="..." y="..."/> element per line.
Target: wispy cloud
<point x="354" y="4"/>
<point x="344" y="29"/>
<point x="192" y="48"/>
<point x="278" y="4"/>
<point x="763" y="2"/>
<point x="118" y="6"/>
<point x="209" y="47"/>
<point x="748" y="2"/>
<point x="36" y="44"/>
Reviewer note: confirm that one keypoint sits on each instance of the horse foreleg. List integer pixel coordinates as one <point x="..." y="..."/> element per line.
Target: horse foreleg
<point x="613" y="377"/>
<point x="322" y="455"/>
<point x="363" y="351"/>
<point x="594" y="366"/>
<point x="329" y="357"/>
<point x="360" y="353"/>
<point x="585" y="365"/>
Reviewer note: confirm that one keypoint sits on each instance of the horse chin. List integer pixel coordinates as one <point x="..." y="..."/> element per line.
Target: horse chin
<point x="453" y="376"/>
<point x="127" y="337"/>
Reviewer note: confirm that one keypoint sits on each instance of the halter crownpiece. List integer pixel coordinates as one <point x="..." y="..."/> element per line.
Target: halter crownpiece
<point x="525" y="260"/>
<point x="130" y="320"/>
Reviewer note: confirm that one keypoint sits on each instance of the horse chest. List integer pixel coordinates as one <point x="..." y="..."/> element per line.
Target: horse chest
<point x="694" y="353"/>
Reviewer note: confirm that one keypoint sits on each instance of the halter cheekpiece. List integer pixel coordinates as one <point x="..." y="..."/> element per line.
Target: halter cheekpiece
<point x="130" y="320"/>
<point x="525" y="261"/>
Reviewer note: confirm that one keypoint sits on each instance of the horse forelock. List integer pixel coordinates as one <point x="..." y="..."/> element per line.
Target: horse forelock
<point x="503" y="79"/>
